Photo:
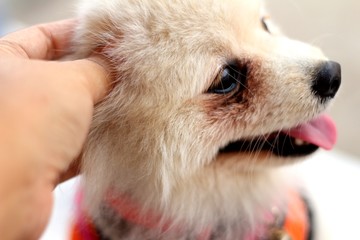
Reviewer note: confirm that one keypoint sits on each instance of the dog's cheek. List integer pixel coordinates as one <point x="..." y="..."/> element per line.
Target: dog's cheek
<point x="235" y="115"/>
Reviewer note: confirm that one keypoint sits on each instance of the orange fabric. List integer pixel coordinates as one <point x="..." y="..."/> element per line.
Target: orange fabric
<point x="296" y="223"/>
<point x="131" y="212"/>
<point x="83" y="230"/>
<point x="75" y="234"/>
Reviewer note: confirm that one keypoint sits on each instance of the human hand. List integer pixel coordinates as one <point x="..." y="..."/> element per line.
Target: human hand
<point x="46" y="109"/>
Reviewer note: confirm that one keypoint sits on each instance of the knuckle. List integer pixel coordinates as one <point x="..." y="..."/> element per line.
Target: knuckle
<point x="12" y="48"/>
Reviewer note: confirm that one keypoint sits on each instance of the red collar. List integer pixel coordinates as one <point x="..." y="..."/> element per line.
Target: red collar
<point x="295" y="224"/>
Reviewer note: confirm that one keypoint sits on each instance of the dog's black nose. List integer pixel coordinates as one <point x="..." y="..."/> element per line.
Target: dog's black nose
<point x="327" y="80"/>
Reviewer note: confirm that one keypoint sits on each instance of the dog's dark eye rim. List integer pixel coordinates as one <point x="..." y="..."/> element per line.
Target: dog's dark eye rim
<point x="230" y="78"/>
<point x="264" y="24"/>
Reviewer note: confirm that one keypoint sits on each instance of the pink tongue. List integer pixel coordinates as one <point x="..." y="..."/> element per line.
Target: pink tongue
<point x="320" y="131"/>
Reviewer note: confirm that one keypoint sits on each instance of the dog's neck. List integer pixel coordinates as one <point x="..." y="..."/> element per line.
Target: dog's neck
<point x="123" y="218"/>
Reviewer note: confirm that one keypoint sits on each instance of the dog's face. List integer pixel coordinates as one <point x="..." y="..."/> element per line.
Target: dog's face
<point x="204" y="92"/>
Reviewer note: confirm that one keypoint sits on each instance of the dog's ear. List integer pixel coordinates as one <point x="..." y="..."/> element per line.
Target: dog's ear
<point x="95" y="35"/>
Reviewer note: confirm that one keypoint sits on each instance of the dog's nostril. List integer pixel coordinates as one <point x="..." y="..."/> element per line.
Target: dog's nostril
<point x="327" y="80"/>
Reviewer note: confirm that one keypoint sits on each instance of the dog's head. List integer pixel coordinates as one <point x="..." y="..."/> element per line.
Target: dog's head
<point x="205" y="93"/>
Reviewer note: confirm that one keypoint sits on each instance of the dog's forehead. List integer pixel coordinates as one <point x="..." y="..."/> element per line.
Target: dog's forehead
<point x="182" y="13"/>
<point x="230" y="12"/>
<point x="162" y="20"/>
<point x="196" y="35"/>
<point x="203" y="24"/>
<point x="212" y="32"/>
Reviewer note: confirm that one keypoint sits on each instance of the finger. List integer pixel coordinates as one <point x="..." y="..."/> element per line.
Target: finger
<point x="84" y="76"/>
<point x="46" y="41"/>
<point x="92" y="73"/>
<point x="72" y="171"/>
<point x="95" y="77"/>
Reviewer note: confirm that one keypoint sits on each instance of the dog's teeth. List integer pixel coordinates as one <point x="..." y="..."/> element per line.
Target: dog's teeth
<point x="299" y="142"/>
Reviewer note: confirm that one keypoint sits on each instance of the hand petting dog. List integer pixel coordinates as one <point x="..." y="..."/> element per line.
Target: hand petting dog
<point x="46" y="109"/>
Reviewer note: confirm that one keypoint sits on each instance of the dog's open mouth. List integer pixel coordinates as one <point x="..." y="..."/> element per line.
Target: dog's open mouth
<point x="299" y="141"/>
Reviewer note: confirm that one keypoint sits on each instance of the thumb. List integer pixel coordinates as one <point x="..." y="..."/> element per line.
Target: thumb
<point x="93" y="74"/>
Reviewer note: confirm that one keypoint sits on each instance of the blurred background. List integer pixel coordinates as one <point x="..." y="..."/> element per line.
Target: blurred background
<point x="331" y="25"/>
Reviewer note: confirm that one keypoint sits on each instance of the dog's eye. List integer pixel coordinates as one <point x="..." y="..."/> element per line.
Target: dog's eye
<point x="264" y="24"/>
<point x="230" y="78"/>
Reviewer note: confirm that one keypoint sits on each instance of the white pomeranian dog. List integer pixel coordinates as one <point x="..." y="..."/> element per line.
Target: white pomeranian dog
<point x="210" y="101"/>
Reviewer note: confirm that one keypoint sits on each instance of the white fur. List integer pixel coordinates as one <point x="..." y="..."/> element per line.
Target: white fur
<point x="157" y="134"/>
